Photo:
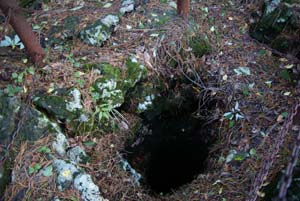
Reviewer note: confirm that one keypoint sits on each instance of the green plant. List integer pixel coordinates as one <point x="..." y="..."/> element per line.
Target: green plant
<point x="35" y="168"/>
<point x="247" y="88"/>
<point x="18" y="79"/>
<point x="13" y="90"/>
<point x="103" y="111"/>
<point x="78" y="79"/>
<point x="44" y="149"/>
<point x="233" y="115"/>
<point x="234" y="155"/>
<point x="73" y="61"/>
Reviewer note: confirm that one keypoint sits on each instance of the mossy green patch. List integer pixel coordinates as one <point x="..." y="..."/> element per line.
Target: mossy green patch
<point x="200" y="46"/>
<point x="109" y="71"/>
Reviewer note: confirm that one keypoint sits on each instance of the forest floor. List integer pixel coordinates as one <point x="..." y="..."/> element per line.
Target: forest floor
<point x="240" y="72"/>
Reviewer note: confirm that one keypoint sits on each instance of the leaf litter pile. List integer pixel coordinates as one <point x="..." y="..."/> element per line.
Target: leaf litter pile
<point x="256" y="94"/>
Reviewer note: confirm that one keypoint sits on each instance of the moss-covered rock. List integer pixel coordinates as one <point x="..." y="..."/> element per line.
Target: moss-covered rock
<point x="279" y="26"/>
<point x="112" y="87"/>
<point x="97" y="33"/>
<point x="34" y="124"/>
<point x="9" y="108"/>
<point x="58" y="35"/>
<point x="109" y="91"/>
<point x="126" y="6"/>
<point x="134" y="72"/>
<point x="30" y="124"/>
<point x="158" y="18"/>
<point x="63" y="104"/>
<point x="271" y="24"/>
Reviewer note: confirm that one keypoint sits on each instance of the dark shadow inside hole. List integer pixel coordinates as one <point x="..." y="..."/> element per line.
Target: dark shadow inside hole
<point x="172" y="145"/>
<point x="175" y="160"/>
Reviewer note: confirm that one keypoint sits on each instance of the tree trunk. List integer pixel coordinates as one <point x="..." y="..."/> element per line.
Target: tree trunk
<point x="34" y="50"/>
<point x="183" y="7"/>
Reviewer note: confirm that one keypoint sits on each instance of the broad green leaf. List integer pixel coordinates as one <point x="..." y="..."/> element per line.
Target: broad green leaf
<point x="252" y="152"/>
<point x="241" y="156"/>
<point x="14" y="75"/>
<point x="285" y="114"/>
<point x="228" y="115"/>
<point x="31" y="170"/>
<point x="289" y="66"/>
<point x="30" y="70"/>
<point x="268" y="83"/>
<point x="231" y="123"/>
<point x="37" y="166"/>
<point x="44" y="149"/>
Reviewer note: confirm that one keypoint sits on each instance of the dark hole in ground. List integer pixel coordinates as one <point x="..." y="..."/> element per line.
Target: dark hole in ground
<point x="172" y="145"/>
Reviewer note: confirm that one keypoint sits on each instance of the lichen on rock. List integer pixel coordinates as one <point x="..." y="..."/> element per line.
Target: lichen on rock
<point x="110" y="20"/>
<point x="77" y="155"/>
<point x="66" y="173"/>
<point x="60" y="144"/>
<point x="69" y="173"/>
<point x="87" y="188"/>
<point x="127" y="6"/>
<point x="75" y="104"/>
<point x="97" y="33"/>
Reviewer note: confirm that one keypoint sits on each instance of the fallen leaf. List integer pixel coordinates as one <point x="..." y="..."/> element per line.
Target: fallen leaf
<point x="289" y="66"/>
<point x="242" y="71"/>
<point x="280" y="118"/>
